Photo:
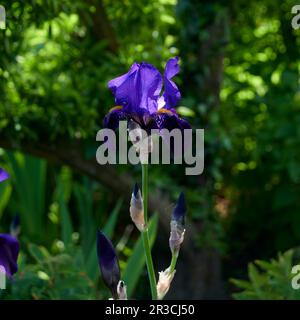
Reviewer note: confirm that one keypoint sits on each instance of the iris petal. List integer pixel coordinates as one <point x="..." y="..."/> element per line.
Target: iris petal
<point x="138" y="89"/>
<point x="168" y="119"/>
<point x="171" y="94"/>
<point x="115" y="83"/>
<point x="3" y="175"/>
<point x="112" y="119"/>
<point x="149" y="85"/>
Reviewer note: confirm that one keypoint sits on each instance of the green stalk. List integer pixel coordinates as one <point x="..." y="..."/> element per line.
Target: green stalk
<point x="173" y="262"/>
<point x="145" y="235"/>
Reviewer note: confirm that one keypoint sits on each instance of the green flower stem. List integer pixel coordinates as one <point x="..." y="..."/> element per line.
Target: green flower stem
<point x="145" y="235"/>
<point x="145" y="190"/>
<point x="173" y="262"/>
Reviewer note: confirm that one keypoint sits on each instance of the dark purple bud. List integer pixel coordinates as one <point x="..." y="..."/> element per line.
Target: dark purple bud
<point x="108" y="263"/>
<point x="180" y="210"/>
<point x="9" y="251"/>
<point x="3" y="175"/>
<point x="15" y="226"/>
<point x="177" y="225"/>
<point x="136" y="189"/>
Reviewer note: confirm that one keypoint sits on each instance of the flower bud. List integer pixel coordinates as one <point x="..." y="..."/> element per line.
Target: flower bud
<point x="3" y="175"/>
<point x="108" y="263"/>
<point x="9" y="251"/>
<point x="136" y="209"/>
<point x="164" y="282"/>
<point x="177" y="225"/>
<point x="122" y="290"/>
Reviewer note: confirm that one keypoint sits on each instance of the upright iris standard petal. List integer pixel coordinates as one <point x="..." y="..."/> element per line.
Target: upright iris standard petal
<point x="108" y="263"/>
<point x="125" y="92"/>
<point x="138" y="89"/>
<point x="149" y="85"/>
<point x="9" y="251"/>
<point x="3" y="175"/>
<point x="114" y="84"/>
<point x="172" y="94"/>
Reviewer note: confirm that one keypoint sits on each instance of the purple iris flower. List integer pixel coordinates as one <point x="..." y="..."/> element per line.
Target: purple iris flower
<point x="3" y="175"/>
<point x="138" y="97"/>
<point x="108" y="263"/>
<point x="9" y="251"/>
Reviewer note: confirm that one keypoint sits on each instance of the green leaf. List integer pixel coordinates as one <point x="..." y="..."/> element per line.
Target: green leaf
<point x="66" y="223"/>
<point x="112" y="221"/>
<point x="65" y="218"/>
<point x="39" y="253"/>
<point x="5" y="193"/>
<point x="30" y="186"/>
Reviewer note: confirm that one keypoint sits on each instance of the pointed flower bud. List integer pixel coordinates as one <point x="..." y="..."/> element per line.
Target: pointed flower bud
<point x="177" y="224"/>
<point x="3" y="175"/>
<point x="9" y="251"/>
<point x="122" y="290"/>
<point x="15" y="226"/>
<point x="108" y="263"/>
<point x="164" y="282"/>
<point x="136" y="208"/>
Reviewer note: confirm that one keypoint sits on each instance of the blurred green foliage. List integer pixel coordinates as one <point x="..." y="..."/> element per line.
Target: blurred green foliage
<point x="260" y="111"/>
<point x="269" y="280"/>
<point x="68" y="267"/>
